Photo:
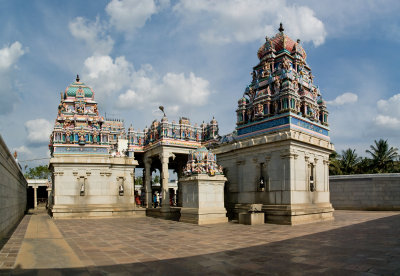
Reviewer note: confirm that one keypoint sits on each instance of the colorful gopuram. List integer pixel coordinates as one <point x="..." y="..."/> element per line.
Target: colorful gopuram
<point x="278" y="156"/>
<point x="282" y="93"/>
<point x="91" y="175"/>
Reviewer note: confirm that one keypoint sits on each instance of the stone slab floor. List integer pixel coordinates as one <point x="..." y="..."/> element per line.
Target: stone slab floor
<point x="355" y="243"/>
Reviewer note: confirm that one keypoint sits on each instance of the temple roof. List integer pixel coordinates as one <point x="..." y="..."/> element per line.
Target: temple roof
<point x="71" y="90"/>
<point x="281" y="42"/>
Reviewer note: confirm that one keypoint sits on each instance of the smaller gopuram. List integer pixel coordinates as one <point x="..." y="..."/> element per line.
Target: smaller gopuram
<point x="278" y="156"/>
<point x="92" y="175"/>
<point x="202" y="189"/>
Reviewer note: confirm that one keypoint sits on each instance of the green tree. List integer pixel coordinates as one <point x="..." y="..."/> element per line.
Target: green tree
<point x="364" y="166"/>
<point x="349" y="161"/>
<point x="139" y="181"/>
<point x="156" y="179"/>
<point x="39" y="172"/>
<point x="334" y="164"/>
<point x="383" y="157"/>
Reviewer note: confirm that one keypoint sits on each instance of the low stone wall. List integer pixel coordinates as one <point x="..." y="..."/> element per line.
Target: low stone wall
<point x="365" y="191"/>
<point x="12" y="191"/>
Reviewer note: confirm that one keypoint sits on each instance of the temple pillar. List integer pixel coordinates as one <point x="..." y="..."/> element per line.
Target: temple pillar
<point x="164" y="157"/>
<point x="35" y="197"/>
<point x="147" y="182"/>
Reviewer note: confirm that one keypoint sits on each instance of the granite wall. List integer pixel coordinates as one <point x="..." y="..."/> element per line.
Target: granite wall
<point x="13" y="187"/>
<point x="365" y="192"/>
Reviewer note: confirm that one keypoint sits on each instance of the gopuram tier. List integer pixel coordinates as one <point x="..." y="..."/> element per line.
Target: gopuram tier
<point x="282" y="93"/>
<point x="278" y="156"/>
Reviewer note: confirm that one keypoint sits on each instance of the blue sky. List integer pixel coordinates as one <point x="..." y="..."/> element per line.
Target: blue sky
<point x="195" y="58"/>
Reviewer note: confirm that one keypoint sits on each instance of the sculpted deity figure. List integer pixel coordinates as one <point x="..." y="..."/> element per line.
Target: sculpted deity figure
<point x="258" y="109"/>
<point x="277" y="84"/>
<point x="249" y="114"/>
<point x="67" y="137"/>
<point x="286" y="64"/>
<point x="254" y="75"/>
<point x="276" y="107"/>
<point x="295" y="85"/>
<point x="82" y="137"/>
<point x="266" y="70"/>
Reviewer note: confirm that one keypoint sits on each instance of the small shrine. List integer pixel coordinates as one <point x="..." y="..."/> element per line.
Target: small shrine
<point x="202" y="161"/>
<point x="202" y="189"/>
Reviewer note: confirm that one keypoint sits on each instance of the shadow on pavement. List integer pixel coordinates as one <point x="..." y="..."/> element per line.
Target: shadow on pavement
<point x="368" y="248"/>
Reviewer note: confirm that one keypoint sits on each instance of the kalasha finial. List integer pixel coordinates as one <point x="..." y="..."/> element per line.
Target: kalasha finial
<point x="77" y="78"/>
<point x="281" y="29"/>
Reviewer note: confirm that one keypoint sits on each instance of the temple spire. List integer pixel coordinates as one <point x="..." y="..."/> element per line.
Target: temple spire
<point x="281" y="29"/>
<point x="77" y="78"/>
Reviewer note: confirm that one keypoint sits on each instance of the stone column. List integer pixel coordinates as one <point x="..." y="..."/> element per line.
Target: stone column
<point x="147" y="181"/>
<point x="35" y="197"/>
<point x="164" y="157"/>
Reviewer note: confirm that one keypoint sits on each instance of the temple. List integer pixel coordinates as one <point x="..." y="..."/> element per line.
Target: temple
<point x="93" y="158"/>
<point x="276" y="159"/>
<point x="278" y="156"/>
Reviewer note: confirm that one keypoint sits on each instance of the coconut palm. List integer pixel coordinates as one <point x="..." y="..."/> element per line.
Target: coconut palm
<point x="349" y="161"/>
<point x="334" y="164"/>
<point x="382" y="156"/>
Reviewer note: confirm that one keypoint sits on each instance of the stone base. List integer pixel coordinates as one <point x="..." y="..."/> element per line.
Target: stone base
<point x="298" y="214"/>
<point x="203" y="216"/>
<point x="73" y="211"/>
<point x="171" y="213"/>
<point x="291" y="214"/>
<point x="251" y="218"/>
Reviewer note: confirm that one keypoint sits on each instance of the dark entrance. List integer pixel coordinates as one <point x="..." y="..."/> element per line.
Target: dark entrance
<point x="30" y="196"/>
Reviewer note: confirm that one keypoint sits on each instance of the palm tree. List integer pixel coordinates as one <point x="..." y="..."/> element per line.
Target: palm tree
<point x="334" y="164"/>
<point x="349" y="161"/>
<point x="382" y="156"/>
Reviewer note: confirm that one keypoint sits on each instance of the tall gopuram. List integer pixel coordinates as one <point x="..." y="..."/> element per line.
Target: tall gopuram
<point x="92" y="174"/>
<point x="279" y="154"/>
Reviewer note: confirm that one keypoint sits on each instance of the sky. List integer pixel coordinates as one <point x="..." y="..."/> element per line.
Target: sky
<point x="193" y="57"/>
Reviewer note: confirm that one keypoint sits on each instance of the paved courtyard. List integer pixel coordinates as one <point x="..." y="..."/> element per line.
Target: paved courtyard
<point x="355" y="243"/>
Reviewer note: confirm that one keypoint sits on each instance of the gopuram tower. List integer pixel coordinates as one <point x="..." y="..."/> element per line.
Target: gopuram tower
<point x="279" y="154"/>
<point x="92" y="174"/>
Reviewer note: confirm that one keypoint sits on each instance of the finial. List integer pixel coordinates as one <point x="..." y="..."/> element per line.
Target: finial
<point x="77" y="78"/>
<point x="298" y="41"/>
<point x="281" y="29"/>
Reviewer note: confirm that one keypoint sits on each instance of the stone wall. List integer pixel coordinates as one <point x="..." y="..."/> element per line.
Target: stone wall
<point x="12" y="191"/>
<point x="365" y="192"/>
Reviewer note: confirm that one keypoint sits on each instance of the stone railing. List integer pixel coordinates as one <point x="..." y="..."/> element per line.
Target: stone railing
<point x="365" y="191"/>
<point x="13" y="187"/>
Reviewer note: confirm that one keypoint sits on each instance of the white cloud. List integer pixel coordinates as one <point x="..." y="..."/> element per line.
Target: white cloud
<point x="143" y="88"/>
<point x="9" y="55"/>
<point x="345" y="98"/>
<point x="389" y="113"/>
<point x="390" y="107"/>
<point x="387" y="122"/>
<point x="22" y="150"/>
<point x="228" y="21"/>
<point x="39" y="131"/>
<point x="93" y="33"/>
<point x="129" y="15"/>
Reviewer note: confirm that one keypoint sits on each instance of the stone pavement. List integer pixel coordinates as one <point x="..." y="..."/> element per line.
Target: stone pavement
<point x="355" y="243"/>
